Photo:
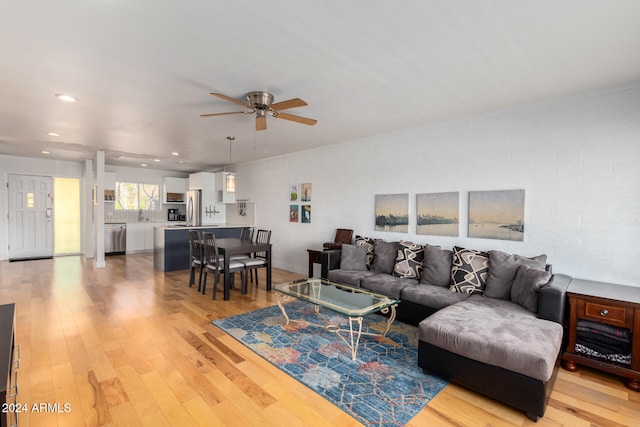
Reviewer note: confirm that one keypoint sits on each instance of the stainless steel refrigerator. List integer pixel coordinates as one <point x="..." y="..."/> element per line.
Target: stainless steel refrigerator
<point x="194" y="208"/>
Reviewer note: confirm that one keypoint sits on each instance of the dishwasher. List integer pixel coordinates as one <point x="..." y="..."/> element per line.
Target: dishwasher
<point x="115" y="239"/>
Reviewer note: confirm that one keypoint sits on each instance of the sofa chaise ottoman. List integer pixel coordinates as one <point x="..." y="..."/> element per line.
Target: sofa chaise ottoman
<point x="490" y="321"/>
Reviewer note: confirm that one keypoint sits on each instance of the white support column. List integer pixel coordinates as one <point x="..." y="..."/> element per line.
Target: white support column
<point x="99" y="210"/>
<point x="89" y="210"/>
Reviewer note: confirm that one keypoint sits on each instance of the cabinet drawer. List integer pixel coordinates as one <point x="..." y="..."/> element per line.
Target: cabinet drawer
<point x="606" y="313"/>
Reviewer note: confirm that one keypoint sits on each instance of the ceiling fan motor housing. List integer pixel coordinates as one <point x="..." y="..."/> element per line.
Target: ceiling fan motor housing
<point x="260" y="100"/>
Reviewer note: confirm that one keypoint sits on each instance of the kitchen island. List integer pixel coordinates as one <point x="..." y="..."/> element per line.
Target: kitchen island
<point x="171" y="244"/>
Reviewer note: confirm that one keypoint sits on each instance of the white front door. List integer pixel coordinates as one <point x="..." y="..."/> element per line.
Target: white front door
<point x="30" y="222"/>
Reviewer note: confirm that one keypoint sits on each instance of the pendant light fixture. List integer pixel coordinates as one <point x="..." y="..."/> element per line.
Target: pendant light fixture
<point x="230" y="178"/>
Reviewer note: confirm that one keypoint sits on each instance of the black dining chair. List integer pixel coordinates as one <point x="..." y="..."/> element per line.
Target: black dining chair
<point x="246" y="234"/>
<point x="214" y="263"/>
<point x="196" y="254"/>
<point x="259" y="259"/>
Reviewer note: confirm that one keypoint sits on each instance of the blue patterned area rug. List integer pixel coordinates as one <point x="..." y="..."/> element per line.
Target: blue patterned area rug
<point x="384" y="385"/>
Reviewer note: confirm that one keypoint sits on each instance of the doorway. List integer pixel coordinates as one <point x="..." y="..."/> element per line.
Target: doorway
<point x="30" y="217"/>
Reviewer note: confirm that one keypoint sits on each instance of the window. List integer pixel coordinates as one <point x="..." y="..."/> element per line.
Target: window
<point x="66" y="215"/>
<point x="135" y="196"/>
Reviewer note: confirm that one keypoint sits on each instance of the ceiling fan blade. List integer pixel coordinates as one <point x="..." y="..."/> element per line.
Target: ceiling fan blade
<point x="291" y="103"/>
<point x="261" y="123"/>
<point x="297" y="119"/>
<point x="222" y="114"/>
<point x="230" y="99"/>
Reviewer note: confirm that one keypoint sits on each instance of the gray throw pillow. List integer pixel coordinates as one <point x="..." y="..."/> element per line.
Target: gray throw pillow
<point x="437" y="266"/>
<point x="502" y="271"/>
<point x="353" y="258"/>
<point x="526" y="286"/>
<point x="385" y="256"/>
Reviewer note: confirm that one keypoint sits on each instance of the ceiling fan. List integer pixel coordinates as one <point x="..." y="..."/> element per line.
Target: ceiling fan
<point x="261" y="103"/>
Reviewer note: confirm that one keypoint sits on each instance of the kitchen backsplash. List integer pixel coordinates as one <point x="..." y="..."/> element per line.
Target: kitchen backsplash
<point x="234" y="215"/>
<point x="113" y="215"/>
<point x="246" y="216"/>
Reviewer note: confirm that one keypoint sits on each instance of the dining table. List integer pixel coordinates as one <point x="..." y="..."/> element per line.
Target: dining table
<point x="228" y="247"/>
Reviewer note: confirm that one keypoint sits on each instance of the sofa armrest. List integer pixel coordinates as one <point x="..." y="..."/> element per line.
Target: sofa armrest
<point x="552" y="298"/>
<point x="329" y="260"/>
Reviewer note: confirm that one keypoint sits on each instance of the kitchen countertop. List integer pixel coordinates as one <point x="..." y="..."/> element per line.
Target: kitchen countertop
<point x="181" y="227"/>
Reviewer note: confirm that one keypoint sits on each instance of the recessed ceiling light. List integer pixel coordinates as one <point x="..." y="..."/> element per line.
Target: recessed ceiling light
<point x="45" y="152"/>
<point x="156" y="160"/>
<point x="175" y="153"/>
<point x="144" y="165"/>
<point x="53" y="134"/>
<point x="65" y="98"/>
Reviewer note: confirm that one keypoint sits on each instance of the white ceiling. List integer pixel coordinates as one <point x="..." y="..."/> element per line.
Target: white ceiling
<point x="142" y="70"/>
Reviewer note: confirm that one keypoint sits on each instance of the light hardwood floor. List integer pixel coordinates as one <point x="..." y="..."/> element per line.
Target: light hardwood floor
<point x="128" y="346"/>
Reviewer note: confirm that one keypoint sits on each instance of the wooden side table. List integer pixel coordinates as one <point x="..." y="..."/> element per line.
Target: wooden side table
<point x="314" y="258"/>
<point x="608" y="304"/>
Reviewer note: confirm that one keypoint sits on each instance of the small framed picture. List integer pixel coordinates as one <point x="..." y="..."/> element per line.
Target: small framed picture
<point x="293" y="213"/>
<point x="306" y="213"/>
<point x="305" y="190"/>
<point x="294" y="192"/>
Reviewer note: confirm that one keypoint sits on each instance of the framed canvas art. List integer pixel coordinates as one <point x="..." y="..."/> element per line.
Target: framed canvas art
<point x="438" y="214"/>
<point x="392" y="212"/>
<point x="293" y="192"/>
<point x="293" y="213"/>
<point x="305" y="213"/>
<point x="305" y="191"/>
<point x="497" y="214"/>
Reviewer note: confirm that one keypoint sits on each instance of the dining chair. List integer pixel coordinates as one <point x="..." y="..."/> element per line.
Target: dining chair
<point x="214" y="263"/>
<point x="259" y="259"/>
<point x="196" y="254"/>
<point x="246" y="234"/>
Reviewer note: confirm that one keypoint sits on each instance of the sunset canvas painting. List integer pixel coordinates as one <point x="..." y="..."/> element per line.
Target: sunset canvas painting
<point x="497" y="214"/>
<point x="438" y="214"/>
<point x="392" y="212"/>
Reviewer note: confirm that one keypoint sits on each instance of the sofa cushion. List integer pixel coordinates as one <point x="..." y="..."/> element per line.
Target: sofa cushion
<point x="502" y="271"/>
<point x="385" y="256"/>
<point x="348" y="277"/>
<point x="526" y="286"/>
<point x="469" y="270"/>
<point x="409" y="261"/>
<point x="435" y="297"/>
<point x="353" y="258"/>
<point x="437" y="266"/>
<point x="368" y="243"/>
<point x="386" y="284"/>
<point x="498" y="333"/>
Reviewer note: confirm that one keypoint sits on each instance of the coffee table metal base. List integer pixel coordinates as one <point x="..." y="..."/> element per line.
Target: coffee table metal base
<point x="354" y="335"/>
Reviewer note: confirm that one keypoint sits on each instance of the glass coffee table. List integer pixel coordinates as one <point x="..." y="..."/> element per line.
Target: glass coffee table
<point x="354" y="303"/>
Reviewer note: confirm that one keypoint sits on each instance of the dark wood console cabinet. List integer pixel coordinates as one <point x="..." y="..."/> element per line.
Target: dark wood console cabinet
<point x="9" y="363"/>
<point x="607" y="304"/>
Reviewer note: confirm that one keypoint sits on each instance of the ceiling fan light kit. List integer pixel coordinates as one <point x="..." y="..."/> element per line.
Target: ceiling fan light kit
<point x="261" y="104"/>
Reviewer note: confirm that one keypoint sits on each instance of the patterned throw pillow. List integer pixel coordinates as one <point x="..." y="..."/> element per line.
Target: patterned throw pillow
<point x="410" y="260"/>
<point x="368" y="243"/>
<point x="469" y="271"/>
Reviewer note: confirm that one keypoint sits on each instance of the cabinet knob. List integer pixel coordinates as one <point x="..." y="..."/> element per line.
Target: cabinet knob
<point x="604" y="312"/>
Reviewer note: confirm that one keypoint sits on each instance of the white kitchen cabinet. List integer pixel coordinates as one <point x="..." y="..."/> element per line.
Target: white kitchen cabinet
<point x="140" y="236"/>
<point x="109" y="181"/>
<point x="109" y="186"/>
<point x="174" y="189"/>
<point x="222" y="195"/>
<point x="202" y="181"/>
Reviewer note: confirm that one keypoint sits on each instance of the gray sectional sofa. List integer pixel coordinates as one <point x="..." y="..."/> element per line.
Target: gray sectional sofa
<point x="490" y="321"/>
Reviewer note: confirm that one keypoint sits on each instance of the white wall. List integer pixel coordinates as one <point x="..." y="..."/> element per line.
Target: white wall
<point x="28" y="166"/>
<point x="578" y="158"/>
<point x="64" y="169"/>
